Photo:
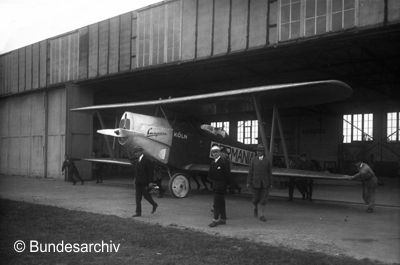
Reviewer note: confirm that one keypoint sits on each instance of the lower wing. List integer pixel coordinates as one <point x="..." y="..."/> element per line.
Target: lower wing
<point x="115" y="161"/>
<point x="277" y="172"/>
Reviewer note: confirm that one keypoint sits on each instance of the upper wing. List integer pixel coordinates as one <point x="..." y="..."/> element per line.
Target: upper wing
<point x="117" y="161"/>
<point x="278" y="172"/>
<point x="281" y="95"/>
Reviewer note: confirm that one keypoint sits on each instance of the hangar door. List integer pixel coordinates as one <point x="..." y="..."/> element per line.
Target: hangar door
<point x="56" y="132"/>
<point x="22" y="134"/>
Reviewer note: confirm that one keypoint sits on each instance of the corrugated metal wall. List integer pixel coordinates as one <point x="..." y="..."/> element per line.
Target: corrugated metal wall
<point x="33" y="132"/>
<point x="181" y="30"/>
<point x="159" y="34"/>
<point x="22" y="135"/>
<point x="64" y="58"/>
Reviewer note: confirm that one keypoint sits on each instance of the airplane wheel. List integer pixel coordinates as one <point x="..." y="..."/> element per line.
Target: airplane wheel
<point x="179" y="185"/>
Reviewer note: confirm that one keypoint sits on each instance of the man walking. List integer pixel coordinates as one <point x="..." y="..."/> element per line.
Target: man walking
<point x="219" y="173"/>
<point x="369" y="183"/>
<point x="143" y="173"/>
<point x="259" y="180"/>
<point x="69" y="167"/>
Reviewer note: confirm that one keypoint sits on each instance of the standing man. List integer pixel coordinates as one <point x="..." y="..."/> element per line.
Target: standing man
<point x="143" y="173"/>
<point x="369" y="183"/>
<point x="260" y="180"/>
<point x="219" y="173"/>
<point x="71" y="170"/>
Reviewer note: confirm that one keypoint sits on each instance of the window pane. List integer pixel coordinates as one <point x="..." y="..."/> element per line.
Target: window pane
<point x="310" y="27"/>
<point x="310" y="8"/>
<point x="337" y="5"/>
<point x="321" y="25"/>
<point x="285" y="14"/>
<point x="349" y="18"/>
<point x="346" y="129"/>
<point x="321" y="7"/>
<point x="295" y="12"/>
<point x="392" y="126"/>
<point x="240" y="131"/>
<point x="357" y="122"/>
<point x="348" y="4"/>
<point x="295" y="28"/>
<point x="285" y="32"/>
<point x="285" y="2"/>
<point x="368" y="128"/>
<point x="337" y="21"/>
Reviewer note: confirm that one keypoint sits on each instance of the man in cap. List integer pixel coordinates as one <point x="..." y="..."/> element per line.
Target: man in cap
<point x="219" y="173"/>
<point x="369" y="182"/>
<point x="143" y="173"/>
<point x="259" y="180"/>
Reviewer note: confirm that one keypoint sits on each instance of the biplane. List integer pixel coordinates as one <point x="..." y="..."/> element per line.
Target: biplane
<point x="183" y="147"/>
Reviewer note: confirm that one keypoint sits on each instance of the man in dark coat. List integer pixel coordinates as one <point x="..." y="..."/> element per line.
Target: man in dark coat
<point x="72" y="172"/>
<point x="143" y="173"/>
<point x="219" y="174"/>
<point x="259" y="180"/>
<point x="369" y="183"/>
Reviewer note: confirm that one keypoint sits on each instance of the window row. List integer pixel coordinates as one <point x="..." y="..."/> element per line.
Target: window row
<point x="359" y="127"/>
<point x="247" y="131"/>
<point x="303" y="18"/>
<point x="356" y="128"/>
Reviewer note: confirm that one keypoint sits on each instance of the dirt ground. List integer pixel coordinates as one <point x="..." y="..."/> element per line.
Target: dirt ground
<point x="334" y="226"/>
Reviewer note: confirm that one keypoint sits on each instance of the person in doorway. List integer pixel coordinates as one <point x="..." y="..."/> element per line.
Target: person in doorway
<point x="369" y="183"/>
<point x="219" y="173"/>
<point x="69" y="167"/>
<point x="143" y="174"/>
<point x="259" y="180"/>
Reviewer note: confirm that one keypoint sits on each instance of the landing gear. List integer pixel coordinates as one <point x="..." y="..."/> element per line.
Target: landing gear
<point x="179" y="185"/>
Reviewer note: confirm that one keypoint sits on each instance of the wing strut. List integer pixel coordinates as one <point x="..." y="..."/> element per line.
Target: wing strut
<point x="275" y="116"/>
<point x="261" y="126"/>
<point x="285" y="153"/>
<point x="114" y="138"/>
<point x="111" y="153"/>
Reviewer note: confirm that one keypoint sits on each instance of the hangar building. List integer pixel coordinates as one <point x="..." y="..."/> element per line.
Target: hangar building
<point x="187" y="47"/>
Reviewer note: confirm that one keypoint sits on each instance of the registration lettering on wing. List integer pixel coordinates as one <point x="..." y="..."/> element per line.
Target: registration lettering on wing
<point x="236" y="155"/>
